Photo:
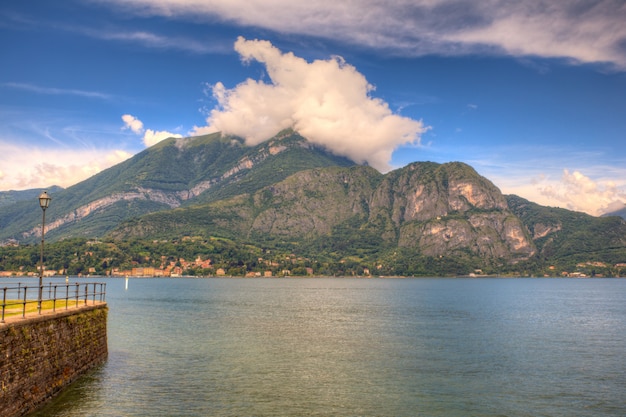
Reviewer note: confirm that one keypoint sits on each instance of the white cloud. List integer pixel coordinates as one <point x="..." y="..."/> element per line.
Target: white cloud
<point x="573" y="190"/>
<point x="582" y="30"/>
<point x="327" y="101"/>
<point x="596" y="186"/>
<point x="150" y="137"/>
<point x="577" y="191"/>
<point x="133" y="123"/>
<point x="28" y="167"/>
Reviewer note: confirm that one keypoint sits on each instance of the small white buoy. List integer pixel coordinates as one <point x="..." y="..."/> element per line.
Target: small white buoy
<point x="126" y="284"/>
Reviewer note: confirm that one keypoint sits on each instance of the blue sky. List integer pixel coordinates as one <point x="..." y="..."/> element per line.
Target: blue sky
<point x="531" y="94"/>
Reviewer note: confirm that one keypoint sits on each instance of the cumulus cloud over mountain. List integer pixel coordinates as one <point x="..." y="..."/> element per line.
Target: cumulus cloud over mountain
<point x="327" y="101"/>
<point x="150" y="137"/>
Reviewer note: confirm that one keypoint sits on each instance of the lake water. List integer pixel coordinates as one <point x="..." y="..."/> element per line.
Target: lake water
<point x="359" y="347"/>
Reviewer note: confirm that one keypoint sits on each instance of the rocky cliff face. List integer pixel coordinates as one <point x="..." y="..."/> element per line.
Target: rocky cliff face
<point x="435" y="210"/>
<point x="440" y="209"/>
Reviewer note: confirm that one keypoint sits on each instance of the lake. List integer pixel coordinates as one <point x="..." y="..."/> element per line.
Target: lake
<point x="358" y="347"/>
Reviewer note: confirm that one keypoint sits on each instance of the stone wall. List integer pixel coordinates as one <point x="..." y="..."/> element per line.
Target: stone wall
<point x="42" y="354"/>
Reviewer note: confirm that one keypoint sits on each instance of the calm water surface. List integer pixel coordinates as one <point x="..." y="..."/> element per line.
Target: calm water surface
<point x="359" y="347"/>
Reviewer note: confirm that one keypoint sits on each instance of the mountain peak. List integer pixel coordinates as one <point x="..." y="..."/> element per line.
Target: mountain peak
<point x="173" y="173"/>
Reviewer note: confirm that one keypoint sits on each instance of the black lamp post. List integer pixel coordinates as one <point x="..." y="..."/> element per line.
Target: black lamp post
<point x="44" y="202"/>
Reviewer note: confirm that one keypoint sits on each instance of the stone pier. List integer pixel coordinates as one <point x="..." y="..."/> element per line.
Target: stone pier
<point x="40" y="355"/>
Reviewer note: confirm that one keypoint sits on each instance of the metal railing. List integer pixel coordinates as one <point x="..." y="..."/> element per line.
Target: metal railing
<point x="19" y="299"/>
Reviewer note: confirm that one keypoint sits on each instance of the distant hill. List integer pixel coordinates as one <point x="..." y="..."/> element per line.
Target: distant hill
<point x="289" y="195"/>
<point x="569" y="235"/>
<point x="8" y="198"/>
<point x="621" y="213"/>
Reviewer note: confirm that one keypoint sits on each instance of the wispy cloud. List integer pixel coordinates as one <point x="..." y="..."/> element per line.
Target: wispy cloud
<point x="579" y="30"/>
<point x="158" y="41"/>
<point x="585" y="31"/>
<point x="145" y="38"/>
<point x="27" y="166"/>
<point x="56" y="147"/>
<point x="56" y="91"/>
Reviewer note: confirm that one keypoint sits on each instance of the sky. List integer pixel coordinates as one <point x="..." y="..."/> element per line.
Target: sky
<point x="530" y="93"/>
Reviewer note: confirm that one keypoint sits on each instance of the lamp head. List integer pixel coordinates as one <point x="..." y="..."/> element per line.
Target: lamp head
<point x="44" y="200"/>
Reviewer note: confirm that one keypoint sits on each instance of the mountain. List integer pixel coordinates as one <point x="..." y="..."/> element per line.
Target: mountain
<point x="289" y="196"/>
<point x="433" y="209"/>
<point x="171" y="174"/>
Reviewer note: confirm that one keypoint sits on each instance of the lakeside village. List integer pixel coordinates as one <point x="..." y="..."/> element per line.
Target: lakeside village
<point x="268" y="268"/>
<point x="182" y="268"/>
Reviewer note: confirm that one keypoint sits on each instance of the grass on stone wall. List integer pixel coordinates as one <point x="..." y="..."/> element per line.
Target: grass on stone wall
<point x="16" y="307"/>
